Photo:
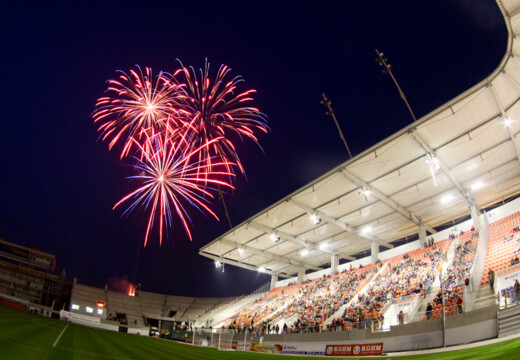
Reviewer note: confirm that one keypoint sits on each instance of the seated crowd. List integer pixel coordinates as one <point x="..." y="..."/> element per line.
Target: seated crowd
<point x="335" y="302"/>
<point x="403" y="279"/>
<point x="455" y="277"/>
<point x="323" y="297"/>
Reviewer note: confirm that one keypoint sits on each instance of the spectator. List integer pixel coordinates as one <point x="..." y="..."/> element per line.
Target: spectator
<point x="491" y="275"/>
<point x="459" y="304"/>
<point x="400" y="317"/>
<point x="429" y="310"/>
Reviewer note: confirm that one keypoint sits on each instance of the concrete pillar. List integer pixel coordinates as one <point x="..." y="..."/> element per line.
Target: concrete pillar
<point x="274" y="279"/>
<point x="422" y="235"/>
<point x="474" y="216"/>
<point x="374" y="250"/>
<point x="301" y="272"/>
<point x="334" y="262"/>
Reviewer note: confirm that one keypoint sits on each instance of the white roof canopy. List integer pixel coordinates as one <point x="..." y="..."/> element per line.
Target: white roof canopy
<point x="429" y="173"/>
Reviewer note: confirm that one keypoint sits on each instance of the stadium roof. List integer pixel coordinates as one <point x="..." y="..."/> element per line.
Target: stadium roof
<point x="465" y="152"/>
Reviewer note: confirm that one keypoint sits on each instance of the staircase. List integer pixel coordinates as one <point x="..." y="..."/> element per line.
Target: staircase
<point x="342" y="308"/>
<point x="436" y="284"/>
<point x="509" y="321"/>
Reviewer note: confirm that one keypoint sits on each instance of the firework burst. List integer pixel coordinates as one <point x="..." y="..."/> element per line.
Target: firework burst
<point x="179" y="129"/>
<point x="217" y="110"/>
<point x="134" y="103"/>
<point x="171" y="176"/>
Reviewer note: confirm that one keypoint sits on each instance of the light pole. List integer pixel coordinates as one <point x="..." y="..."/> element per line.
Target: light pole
<point x="330" y="111"/>
<point x="382" y="60"/>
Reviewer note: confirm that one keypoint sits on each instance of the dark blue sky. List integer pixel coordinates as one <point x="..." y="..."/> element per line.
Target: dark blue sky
<point x="58" y="183"/>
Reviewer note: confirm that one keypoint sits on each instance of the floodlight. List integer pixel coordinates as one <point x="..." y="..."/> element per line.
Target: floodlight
<point x="446" y="199"/>
<point x="305" y="252"/>
<point x="274" y="237"/>
<point x="315" y="219"/>
<point x="477" y="186"/>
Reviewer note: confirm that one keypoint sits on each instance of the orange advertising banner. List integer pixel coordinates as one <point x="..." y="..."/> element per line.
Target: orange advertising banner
<point x="354" y="350"/>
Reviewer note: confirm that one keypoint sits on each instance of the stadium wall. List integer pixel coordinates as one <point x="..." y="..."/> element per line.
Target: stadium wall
<point x="98" y="323"/>
<point x="460" y="329"/>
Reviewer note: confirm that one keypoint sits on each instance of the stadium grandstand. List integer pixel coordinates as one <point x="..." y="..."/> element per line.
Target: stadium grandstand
<point x="27" y="279"/>
<point x="412" y="244"/>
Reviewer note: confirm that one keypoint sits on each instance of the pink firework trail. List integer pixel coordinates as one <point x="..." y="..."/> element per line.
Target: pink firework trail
<point x="171" y="176"/>
<point x="217" y="110"/>
<point x="180" y="130"/>
<point x="135" y="102"/>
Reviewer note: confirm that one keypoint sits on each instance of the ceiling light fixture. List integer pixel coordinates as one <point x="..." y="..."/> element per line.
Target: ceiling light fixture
<point x="315" y="219"/>
<point x="446" y="199"/>
<point x="478" y="185"/>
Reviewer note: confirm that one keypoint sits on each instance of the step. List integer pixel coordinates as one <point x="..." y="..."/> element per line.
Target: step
<point x="502" y="333"/>
<point x="509" y="327"/>
<point x="508" y="321"/>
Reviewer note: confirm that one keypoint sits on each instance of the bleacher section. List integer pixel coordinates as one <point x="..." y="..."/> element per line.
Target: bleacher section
<point x="225" y="310"/>
<point x="455" y="275"/>
<point x="407" y="275"/>
<point x="264" y="307"/>
<point x="143" y="306"/>
<point x="503" y="245"/>
<point x="322" y="298"/>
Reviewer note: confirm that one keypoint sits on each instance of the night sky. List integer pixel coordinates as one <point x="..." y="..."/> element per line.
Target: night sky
<point x="58" y="182"/>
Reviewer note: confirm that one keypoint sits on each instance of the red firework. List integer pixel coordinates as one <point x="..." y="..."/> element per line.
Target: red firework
<point x="179" y="128"/>
<point x="171" y="176"/>
<point x="136" y="102"/>
<point x="216" y="110"/>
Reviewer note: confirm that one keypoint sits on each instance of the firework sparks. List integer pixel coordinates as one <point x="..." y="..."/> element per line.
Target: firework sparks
<point x="136" y="102"/>
<point x="217" y="110"/>
<point x="171" y="176"/>
<point x="179" y="129"/>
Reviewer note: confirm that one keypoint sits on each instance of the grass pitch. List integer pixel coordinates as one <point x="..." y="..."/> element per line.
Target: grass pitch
<point x="25" y="336"/>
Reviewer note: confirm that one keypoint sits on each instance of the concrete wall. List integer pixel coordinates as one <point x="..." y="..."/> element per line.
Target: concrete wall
<point x="460" y="329"/>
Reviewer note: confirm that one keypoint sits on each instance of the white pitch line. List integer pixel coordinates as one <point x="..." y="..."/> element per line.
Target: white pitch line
<point x="59" y="336"/>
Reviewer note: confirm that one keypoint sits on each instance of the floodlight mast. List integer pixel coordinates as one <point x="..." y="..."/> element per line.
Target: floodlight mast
<point x="221" y="197"/>
<point x="382" y="60"/>
<point x="330" y="111"/>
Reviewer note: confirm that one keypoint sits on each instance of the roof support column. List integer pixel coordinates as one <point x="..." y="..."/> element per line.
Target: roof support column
<point x="474" y="216"/>
<point x="422" y="235"/>
<point x="374" y="250"/>
<point x="334" y="262"/>
<point x="301" y="272"/>
<point x="274" y="279"/>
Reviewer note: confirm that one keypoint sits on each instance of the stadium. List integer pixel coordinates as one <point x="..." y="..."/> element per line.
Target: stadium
<point x="409" y="246"/>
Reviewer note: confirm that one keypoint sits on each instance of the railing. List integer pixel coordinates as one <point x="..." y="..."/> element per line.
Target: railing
<point x="477" y="269"/>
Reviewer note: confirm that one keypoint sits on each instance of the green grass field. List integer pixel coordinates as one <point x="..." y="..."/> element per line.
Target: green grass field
<point x="27" y="336"/>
